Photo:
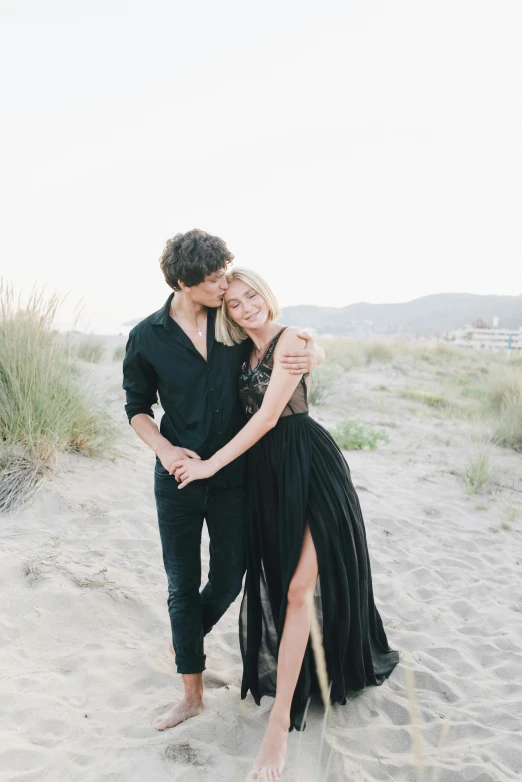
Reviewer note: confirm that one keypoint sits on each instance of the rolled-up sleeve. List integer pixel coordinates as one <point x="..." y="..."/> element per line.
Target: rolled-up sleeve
<point x="139" y="380"/>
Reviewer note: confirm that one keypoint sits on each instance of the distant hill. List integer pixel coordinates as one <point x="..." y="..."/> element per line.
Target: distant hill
<point x="427" y="316"/>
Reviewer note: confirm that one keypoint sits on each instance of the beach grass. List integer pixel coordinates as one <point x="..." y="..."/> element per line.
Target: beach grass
<point x="91" y="350"/>
<point x="507" y="429"/>
<point x="478" y="473"/>
<point x="43" y="409"/>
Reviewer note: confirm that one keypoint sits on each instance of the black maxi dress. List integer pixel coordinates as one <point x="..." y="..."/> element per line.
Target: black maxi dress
<point x="297" y="476"/>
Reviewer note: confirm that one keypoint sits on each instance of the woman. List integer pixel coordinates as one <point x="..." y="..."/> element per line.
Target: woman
<point x="306" y="533"/>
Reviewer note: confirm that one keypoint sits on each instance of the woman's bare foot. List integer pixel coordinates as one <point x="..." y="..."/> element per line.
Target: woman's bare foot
<point x="271" y="759"/>
<point x="179" y="713"/>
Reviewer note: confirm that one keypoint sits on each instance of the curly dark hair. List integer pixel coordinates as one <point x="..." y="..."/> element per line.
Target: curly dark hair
<point x="190" y="257"/>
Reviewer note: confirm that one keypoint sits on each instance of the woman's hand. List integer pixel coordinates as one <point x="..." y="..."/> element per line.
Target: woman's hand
<point x="188" y="470"/>
<point x="170" y="455"/>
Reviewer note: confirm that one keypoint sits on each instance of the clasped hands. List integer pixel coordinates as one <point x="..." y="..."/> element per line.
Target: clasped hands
<point x="185" y="465"/>
<point x="189" y="469"/>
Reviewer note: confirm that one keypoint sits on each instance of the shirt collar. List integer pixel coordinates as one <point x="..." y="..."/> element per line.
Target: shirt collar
<point x="162" y="317"/>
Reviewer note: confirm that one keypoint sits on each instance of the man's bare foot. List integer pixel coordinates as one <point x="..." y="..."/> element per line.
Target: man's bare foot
<point x="271" y="759"/>
<point x="179" y="713"/>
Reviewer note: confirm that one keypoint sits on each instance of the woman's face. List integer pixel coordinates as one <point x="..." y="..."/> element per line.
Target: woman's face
<point x="245" y="306"/>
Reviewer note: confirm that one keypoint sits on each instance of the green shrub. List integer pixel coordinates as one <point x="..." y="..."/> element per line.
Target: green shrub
<point x="354" y="436"/>
<point x="119" y="353"/>
<point x="43" y="409"/>
<point x="91" y="350"/>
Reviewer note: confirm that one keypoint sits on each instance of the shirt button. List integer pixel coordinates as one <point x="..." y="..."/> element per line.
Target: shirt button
<point x="217" y="411"/>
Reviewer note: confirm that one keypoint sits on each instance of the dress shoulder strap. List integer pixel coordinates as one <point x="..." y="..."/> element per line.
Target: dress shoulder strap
<point x="272" y="346"/>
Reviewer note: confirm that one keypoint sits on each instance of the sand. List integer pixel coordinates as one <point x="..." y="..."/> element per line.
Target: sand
<point x="84" y="628"/>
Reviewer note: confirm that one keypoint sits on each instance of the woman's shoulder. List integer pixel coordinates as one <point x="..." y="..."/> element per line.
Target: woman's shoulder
<point x="289" y="337"/>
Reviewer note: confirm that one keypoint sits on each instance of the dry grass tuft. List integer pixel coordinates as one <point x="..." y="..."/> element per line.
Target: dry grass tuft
<point x="507" y="431"/>
<point x="478" y="473"/>
<point x="417" y="740"/>
<point x="504" y="388"/>
<point x="91" y="350"/>
<point x="43" y="408"/>
<point x="426" y="397"/>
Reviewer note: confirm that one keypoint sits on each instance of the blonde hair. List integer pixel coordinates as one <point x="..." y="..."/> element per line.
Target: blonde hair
<point x="227" y="331"/>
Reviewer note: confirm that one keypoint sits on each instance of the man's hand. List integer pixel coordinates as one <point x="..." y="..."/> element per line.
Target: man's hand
<point x="188" y="470"/>
<point x="302" y="361"/>
<point x="169" y="455"/>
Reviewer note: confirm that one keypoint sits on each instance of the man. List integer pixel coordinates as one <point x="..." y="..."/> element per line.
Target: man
<point x="173" y="353"/>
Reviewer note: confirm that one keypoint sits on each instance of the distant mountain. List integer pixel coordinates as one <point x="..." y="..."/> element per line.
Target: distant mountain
<point x="427" y="316"/>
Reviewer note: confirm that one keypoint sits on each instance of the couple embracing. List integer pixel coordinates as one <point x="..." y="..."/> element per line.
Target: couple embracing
<point x="237" y="449"/>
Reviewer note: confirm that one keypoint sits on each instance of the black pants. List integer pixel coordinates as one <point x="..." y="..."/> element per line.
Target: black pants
<point x="180" y="517"/>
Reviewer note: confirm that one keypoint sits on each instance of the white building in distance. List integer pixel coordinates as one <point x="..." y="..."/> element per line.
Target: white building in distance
<point x="484" y="337"/>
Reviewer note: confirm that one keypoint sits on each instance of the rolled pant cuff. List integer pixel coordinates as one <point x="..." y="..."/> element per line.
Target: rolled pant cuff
<point x="194" y="664"/>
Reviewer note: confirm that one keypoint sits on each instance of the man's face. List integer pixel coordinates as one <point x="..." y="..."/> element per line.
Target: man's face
<point x="210" y="292"/>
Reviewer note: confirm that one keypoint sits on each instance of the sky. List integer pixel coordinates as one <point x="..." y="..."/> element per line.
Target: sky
<point x="349" y="151"/>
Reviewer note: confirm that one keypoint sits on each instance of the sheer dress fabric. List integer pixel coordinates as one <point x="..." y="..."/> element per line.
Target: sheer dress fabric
<point x="298" y="477"/>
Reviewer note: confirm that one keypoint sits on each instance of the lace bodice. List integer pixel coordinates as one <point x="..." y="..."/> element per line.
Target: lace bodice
<point x="253" y="384"/>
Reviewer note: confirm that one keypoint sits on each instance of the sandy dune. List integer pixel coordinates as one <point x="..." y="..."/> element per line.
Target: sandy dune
<point x="84" y="627"/>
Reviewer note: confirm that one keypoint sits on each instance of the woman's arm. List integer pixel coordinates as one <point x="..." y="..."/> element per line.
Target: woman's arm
<point x="300" y="361"/>
<point x="280" y="388"/>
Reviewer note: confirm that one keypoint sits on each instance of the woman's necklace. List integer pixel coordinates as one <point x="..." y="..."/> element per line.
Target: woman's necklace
<point x="198" y="331"/>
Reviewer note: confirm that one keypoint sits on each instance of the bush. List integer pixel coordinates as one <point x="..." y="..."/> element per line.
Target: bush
<point x="119" y="353"/>
<point x="323" y="379"/>
<point x="91" y="350"/>
<point x="354" y="436"/>
<point x="43" y="409"/>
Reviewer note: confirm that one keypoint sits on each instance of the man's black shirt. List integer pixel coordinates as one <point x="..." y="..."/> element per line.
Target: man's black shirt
<point x="200" y="399"/>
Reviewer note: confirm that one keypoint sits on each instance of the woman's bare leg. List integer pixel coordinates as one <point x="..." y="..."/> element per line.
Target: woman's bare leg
<point x="296" y="632"/>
